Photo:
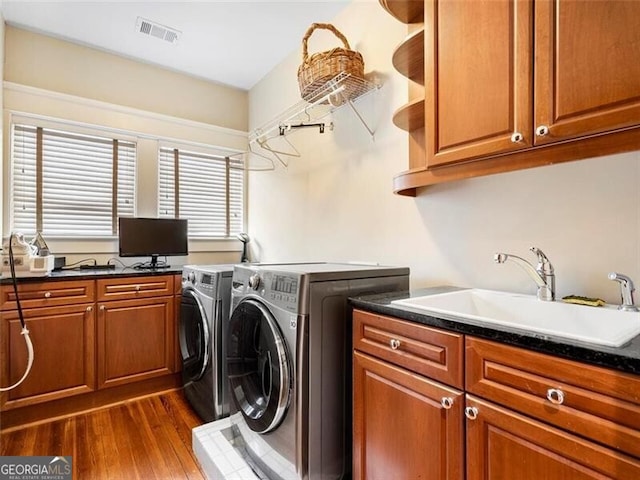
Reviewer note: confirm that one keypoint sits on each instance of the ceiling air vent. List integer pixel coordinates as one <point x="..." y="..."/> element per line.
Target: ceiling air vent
<point x="153" y="29"/>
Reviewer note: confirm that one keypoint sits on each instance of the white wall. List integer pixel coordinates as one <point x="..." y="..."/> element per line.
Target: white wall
<point x="87" y="86"/>
<point x="336" y="202"/>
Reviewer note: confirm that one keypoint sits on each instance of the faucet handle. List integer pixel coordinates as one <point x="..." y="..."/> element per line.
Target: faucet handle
<point x="626" y="291"/>
<point x="544" y="264"/>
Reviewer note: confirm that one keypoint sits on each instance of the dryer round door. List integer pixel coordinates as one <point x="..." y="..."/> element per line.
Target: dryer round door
<point x="258" y="366"/>
<point x="195" y="336"/>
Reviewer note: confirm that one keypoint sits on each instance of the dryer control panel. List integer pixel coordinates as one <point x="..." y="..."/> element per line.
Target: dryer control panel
<point x="281" y="289"/>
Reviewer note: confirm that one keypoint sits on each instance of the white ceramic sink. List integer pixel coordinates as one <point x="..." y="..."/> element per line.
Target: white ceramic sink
<point x="596" y="325"/>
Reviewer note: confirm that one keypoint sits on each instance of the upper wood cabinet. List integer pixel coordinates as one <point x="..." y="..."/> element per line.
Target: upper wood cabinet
<point x="478" y="78"/>
<point x="512" y="84"/>
<point x="587" y="67"/>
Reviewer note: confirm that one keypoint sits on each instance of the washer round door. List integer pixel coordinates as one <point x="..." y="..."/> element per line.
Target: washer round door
<point x="195" y="336"/>
<point x="258" y="366"/>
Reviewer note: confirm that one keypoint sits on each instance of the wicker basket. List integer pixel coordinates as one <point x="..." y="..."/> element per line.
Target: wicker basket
<point x="321" y="67"/>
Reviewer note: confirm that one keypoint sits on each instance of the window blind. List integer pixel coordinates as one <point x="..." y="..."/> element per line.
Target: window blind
<point x="206" y="189"/>
<point x="70" y="185"/>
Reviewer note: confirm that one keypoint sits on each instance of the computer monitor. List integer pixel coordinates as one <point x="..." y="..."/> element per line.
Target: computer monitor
<point x="154" y="237"/>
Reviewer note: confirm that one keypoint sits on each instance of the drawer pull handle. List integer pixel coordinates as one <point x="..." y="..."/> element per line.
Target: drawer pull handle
<point x="446" y="402"/>
<point x="89" y="308"/>
<point x="471" y="413"/>
<point x="394" y="344"/>
<point x="555" y="396"/>
<point x="47" y="294"/>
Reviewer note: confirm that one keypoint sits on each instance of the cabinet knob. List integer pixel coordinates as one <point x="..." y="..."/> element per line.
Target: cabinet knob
<point x="47" y="294"/>
<point x="542" y="130"/>
<point x="394" y="344"/>
<point x="555" y="396"/>
<point x="137" y="288"/>
<point x="89" y="308"/>
<point x="471" y="413"/>
<point x="102" y="307"/>
<point x="446" y="402"/>
<point x="516" y="137"/>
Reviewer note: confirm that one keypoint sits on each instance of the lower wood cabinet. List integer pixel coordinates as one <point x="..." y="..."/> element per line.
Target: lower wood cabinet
<point x="405" y="426"/>
<point x="135" y="339"/>
<point x="523" y="415"/>
<point x="87" y="354"/>
<point x="64" y="359"/>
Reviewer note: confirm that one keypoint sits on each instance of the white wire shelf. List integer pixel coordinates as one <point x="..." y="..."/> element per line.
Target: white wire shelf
<point x="343" y="89"/>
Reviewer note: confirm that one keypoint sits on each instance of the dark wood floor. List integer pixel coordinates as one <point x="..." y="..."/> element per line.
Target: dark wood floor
<point x="148" y="438"/>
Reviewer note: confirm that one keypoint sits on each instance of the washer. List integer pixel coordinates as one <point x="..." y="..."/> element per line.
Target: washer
<point x="204" y="316"/>
<point x="289" y="364"/>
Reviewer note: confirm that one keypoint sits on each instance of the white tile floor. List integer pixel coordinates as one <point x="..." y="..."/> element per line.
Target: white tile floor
<point x="216" y="454"/>
<point x="213" y="445"/>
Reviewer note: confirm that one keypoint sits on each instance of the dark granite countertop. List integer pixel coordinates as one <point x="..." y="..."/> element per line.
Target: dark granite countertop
<point x="625" y="358"/>
<point x="88" y="274"/>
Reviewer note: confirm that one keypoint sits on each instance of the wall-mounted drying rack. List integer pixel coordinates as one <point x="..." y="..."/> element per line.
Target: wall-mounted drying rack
<point x="341" y="90"/>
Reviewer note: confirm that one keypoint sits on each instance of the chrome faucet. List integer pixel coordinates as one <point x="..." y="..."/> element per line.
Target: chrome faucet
<point x="542" y="274"/>
<point x="626" y="291"/>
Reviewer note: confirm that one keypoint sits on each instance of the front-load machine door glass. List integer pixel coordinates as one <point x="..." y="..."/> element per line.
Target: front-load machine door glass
<point x="258" y="366"/>
<point x="195" y="336"/>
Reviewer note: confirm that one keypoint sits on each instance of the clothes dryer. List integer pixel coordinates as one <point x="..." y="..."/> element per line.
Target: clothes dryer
<point x="289" y="364"/>
<point x="204" y="316"/>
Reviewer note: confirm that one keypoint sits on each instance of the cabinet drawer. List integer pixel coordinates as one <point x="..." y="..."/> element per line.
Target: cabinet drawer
<point x="430" y="352"/>
<point x="597" y="403"/>
<point x="48" y="293"/>
<point x="134" y="287"/>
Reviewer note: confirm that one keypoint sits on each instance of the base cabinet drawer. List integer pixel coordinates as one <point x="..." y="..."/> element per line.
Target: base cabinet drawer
<point x="428" y="351"/>
<point x="134" y="287"/>
<point x="135" y="339"/>
<point x="502" y="444"/>
<point x="64" y="355"/>
<point x="47" y="293"/>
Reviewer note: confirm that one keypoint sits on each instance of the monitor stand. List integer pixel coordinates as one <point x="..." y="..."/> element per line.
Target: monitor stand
<point x="152" y="265"/>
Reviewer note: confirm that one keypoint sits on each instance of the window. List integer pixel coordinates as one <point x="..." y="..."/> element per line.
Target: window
<point x="68" y="184"/>
<point x="207" y="189"/>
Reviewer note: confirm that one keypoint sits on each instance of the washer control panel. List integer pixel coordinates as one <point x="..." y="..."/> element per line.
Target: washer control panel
<point x="284" y="288"/>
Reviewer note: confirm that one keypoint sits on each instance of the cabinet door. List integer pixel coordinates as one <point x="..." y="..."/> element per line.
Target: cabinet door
<point x="478" y="78"/>
<point x="135" y="340"/>
<point x="401" y="429"/>
<point x="502" y="444"/>
<point x="587" y="72"/>
<point x="63" y="364"/>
